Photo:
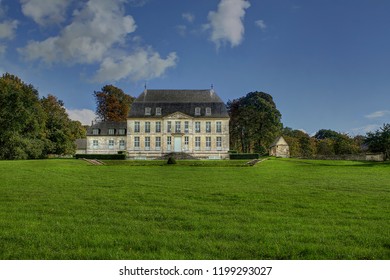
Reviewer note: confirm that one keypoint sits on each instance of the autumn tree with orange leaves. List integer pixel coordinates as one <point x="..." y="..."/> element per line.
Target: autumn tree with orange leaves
<point x="112" y="104"/>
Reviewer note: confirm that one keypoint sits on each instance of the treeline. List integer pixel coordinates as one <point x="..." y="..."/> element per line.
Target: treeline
<point x="33" y="127"/>
<point x="325" y="142"/>
<point x="255" y="122"/>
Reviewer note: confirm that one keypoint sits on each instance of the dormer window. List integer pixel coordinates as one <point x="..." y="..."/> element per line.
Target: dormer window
<point x="197" y="111"/>
<point x="111" y="131"/>
<point x="122" y="131"/>
<point x="158" y="111"/>
<point x="95" y="131"/>
<point x="208" y="111"/>
<point x="148" y="111"/>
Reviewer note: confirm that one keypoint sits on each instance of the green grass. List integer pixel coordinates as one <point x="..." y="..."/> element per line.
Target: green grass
<point x="278" y="209"/>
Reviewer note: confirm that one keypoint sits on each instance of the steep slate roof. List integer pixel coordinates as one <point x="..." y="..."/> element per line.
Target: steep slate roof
<point x="105" y="126"/>
<point x="185" y="101"/>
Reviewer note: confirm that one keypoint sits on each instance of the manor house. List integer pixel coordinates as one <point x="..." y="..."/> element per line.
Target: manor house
<point x="195" y="122"/>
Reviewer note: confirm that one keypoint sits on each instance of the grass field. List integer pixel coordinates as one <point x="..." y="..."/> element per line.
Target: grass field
<point x="278" y="209"/>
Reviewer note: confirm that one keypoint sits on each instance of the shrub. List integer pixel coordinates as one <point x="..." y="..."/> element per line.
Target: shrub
<point x="232" y="152"/>
<point x="171" y="160"/>
<point x="244" y="156"/>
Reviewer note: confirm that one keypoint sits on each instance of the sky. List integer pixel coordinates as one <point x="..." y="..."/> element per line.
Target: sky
<point x="326" y="63"/>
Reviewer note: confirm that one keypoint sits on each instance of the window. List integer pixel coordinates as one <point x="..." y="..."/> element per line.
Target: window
<point x="148" y="111"/>
<point x="121" y="131"/>
<point x="208" y="143"/>
<point x="147" y="127"/>
<point x="197" y="143"/>
<point x="111" y="131"/>
<point x="197" y="127"/>
<point x="136" y="127"/>
<point x="95" y="131"/>
<point x="186" y="142"/>
<point x="169" y="143"/>
<point x="136" y="142"/>
<point x="186" y="126"/>
<point x="122" y="145"/>
<point x="197" y="111"/>
<point x="208" y="127"/>
<point x="111" y="144"/>
<point x="158" y="127"/>
<point x="208" y="111"/>
<point x="147" y="143"/>
<point x="158" y="143"/>
<point x="158" y="111"/>
<point x="169" y="126"/>
<point x="95" y="144"/>
<point x="178" y="127"/>
<point x="219" y="143"/>
<point x="219" y="127"/>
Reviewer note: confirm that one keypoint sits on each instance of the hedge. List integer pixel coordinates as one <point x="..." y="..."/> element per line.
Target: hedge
<point x="99" y="156"/>
<point x="244" y="156"/>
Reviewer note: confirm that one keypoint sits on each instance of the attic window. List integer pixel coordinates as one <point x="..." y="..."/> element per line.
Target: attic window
<point x="122" y="131"/>
<point x="95" y="131"/>
<point x="208" y="111"/>
<point x="111" y="131"/>
<point x="197" y="111"/>
<point x="148" y="111"/>
<point x="158" y="111"/>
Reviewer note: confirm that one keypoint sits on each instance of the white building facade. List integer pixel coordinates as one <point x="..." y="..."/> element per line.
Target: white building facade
<point x="160" y="122"/>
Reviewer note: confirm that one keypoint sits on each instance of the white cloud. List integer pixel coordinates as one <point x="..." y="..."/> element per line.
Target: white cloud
<point x="226" y="23"/>
<point x="261" y="24"/>
<point x="182" y="30"/>
<point x="7" y="32"/>
<point x="99" y="35"/>
<point x="45" y="12"/>
<point x="364" y="129"/>
<point x="138" y="3"/>
<point x="7" y="29"/>
<point x="378" y="114"/>
<point x="85" y="116"/>
<point x="95" y="29"/>
<point x="188" y="17"/>
<point x="140" y="65"/>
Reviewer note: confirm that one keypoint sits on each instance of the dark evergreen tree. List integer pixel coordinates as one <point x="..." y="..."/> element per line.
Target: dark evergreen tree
<point x="22" y="129"/>
<point x="379" y="141"/>
<point x="254" y="122"/>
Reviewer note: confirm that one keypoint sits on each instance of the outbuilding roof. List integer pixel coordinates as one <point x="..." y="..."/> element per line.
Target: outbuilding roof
<point x="279" y="141"/>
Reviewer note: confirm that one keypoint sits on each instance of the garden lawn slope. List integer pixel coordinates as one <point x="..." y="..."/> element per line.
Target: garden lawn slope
<point x="277" y="209"/>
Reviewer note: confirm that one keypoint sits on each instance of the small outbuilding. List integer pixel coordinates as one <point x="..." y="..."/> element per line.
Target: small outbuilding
<point x="279" y="148"/>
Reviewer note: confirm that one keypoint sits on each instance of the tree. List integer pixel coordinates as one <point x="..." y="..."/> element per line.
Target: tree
<point x="21" y="114"/>
<point x="254" y="122"/>
<point x="342" y="143"/>
<point x="112" y="104"/>
<point x="300" y="143"/>
<point x="61" y="132"/>
<point x="326" y="134"/>
<point x="379" y="141"/>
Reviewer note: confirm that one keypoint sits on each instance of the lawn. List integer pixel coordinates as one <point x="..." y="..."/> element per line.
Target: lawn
<point x="277" y="209"/>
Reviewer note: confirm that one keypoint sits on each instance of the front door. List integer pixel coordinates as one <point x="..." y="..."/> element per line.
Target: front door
<point x="177" y="143"/>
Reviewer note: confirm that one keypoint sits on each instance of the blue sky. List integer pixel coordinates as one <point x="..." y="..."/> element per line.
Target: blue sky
<point x="325" y="62"/>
